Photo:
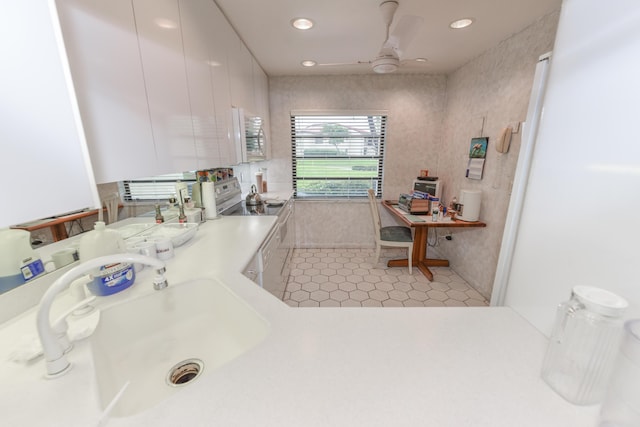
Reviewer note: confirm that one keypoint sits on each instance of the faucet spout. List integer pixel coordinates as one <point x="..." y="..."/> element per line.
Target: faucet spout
<point x="55" y="357"/>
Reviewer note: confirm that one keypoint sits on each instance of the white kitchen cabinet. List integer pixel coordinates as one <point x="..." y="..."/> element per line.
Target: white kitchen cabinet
<point x="44" y="164"/>
<point x="220" y="66"/>
<point x="197" y="33"/>
<point x="102" y="46"/>
<point x="261" y="93"/>
<point x="156" y="81"/>
<point x="241" y="75"/>
<point x="161" y="50"/>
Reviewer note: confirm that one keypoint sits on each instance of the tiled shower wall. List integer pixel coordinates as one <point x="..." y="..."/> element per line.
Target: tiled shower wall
<point x="431" y="121"/>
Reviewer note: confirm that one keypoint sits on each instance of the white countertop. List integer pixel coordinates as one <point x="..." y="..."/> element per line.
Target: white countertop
<point x="318" y="366"/>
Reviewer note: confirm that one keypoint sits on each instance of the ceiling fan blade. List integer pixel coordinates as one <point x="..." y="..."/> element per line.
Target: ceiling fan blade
<point x="415" y="64"/>
<point x="404" y="32"/>
<point x="334" y="64"/>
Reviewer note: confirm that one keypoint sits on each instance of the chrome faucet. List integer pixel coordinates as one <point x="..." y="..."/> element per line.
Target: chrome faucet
<point x="54" y="355"/>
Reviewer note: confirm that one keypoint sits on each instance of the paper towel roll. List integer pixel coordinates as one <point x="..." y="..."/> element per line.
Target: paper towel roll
<point x="209" y="200"/>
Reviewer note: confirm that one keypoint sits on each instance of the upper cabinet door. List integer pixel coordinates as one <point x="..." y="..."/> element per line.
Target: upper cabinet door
<point x="160" y="40"/>
<point x="197" y="33"/>
<point x="222" y="32"/>
<point x="261" y="86"/>
<point x="102" y="46"/>
<point x="241" y="75"/>
<point x="44" y="166"/>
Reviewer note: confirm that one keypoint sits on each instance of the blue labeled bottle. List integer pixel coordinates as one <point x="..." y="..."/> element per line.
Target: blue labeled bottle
<point x="107" y="279"/>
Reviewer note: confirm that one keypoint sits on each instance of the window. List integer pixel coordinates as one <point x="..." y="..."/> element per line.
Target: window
<point x="161" y="187"/>
<point x="337" y="154"/>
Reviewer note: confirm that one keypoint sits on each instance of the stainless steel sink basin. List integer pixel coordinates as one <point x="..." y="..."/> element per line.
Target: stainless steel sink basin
<point x="147" y="343"/>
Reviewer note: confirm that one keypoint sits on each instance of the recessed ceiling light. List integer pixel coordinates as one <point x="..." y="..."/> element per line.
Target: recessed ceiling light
<point x="302" y="23"/>
<point x="461" y="23"/>
<point x="167" y="24"/>
<point x="421" y="59"/>
<point x="309" y="63"/>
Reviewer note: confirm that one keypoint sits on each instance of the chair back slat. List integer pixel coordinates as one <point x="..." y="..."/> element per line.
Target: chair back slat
<point x="375" y="214"/>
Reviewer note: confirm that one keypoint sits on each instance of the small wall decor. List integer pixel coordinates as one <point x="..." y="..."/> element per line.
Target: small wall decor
<point x="477" y="154"/>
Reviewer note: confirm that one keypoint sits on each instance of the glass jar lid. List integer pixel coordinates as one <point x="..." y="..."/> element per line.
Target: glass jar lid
<point x="600" y="301"/>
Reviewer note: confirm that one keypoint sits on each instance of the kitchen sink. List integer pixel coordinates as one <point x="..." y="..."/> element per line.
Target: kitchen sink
<point x="149" y="347"/>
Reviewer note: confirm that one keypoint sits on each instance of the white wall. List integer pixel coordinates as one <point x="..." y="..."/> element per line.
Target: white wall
<point x="483" y="96"/>
<point x="414" y="103"/>
<point x="586" y="167"/>
<point x="431" y="122"/>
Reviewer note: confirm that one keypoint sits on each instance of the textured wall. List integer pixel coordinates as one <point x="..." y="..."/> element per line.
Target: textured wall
<point x="484" y="96"/>
<point x="431" y="122"/>
<point x="415" y="104"/>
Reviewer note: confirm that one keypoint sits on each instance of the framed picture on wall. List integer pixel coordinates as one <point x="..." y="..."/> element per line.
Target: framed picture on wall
<point x="478" y="148"/>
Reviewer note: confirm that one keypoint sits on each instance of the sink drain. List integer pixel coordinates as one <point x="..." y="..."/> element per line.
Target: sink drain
<point x="184" y="372"/>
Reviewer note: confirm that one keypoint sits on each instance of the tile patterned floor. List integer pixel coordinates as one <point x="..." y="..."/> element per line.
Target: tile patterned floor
<point x="349" y="278"/>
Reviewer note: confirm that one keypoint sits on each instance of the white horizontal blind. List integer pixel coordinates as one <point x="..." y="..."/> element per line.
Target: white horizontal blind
<point x="161" y="187"/>
<point x="337" y="155"/>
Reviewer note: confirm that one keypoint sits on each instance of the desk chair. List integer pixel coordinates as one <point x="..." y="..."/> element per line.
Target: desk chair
<point x="391" y="236"/>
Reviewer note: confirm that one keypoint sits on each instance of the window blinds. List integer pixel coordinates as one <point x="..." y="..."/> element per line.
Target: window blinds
<point x="337" y="155"/>
<point x="161" y="187"/>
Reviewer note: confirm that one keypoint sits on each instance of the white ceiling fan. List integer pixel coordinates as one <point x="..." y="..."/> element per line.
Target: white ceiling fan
<point x="388" y="59"/>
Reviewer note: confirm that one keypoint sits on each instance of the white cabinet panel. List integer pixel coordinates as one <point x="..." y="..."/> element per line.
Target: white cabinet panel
<point x="102" y="46"/>
<point x="222" y="32"/>
<point x="44" y="165"/>
<point x="160" y="41"/>
<point x="261" y="92"/>
<point x="197" y="33"/>
<point x="241" y="75"/>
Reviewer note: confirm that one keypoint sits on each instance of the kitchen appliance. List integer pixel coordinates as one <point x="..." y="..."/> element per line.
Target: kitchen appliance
<point x="253" y="198"/>
<point x="249" y="136"/>
<point x="227" y="194"/>
<point x="430" y="186"/>
<point x="469" y="206"/>
<point x="579" y="147"/>
<point x="414" y="206"/>
<point x="269" y="268"/>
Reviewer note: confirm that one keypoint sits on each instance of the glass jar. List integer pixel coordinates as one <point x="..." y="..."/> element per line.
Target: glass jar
<point x="584" y="344"/>
<point x="621" y="407"/>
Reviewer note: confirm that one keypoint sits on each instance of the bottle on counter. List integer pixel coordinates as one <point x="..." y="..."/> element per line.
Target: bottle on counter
<point x="264" y="179"/>
<point x="259" y="182"/>
<point x="159" y="217"/>
<point x="107" y="279"/>
<point x="182" y="218"/>
<point x="435" y="209"/>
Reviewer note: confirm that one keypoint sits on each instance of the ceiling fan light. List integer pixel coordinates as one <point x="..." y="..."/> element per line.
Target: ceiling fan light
<point x="302" y="23"/>
<point x="385" y="65"/>
<point x="461" y="23"/>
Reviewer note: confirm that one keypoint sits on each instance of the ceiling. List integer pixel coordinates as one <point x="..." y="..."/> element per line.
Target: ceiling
<point x="353" y="30"/>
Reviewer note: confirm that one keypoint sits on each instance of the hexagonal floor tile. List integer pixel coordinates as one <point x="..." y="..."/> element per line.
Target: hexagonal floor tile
<point x="349" y="278"/>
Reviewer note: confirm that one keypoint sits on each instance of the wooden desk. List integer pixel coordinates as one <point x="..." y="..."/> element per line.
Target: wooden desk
<point x="57" y="224"/>
<point x="419" y="255"/>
